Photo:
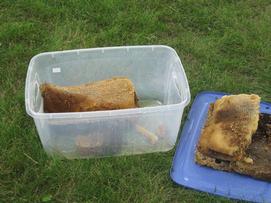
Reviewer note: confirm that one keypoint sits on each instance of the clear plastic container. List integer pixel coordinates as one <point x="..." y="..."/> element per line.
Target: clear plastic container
<point x="160" y="82"/>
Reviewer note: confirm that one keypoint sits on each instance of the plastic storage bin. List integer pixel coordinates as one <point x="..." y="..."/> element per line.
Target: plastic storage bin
<point x="157" y="74"/>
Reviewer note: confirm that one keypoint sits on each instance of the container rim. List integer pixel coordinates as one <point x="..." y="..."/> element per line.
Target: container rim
<point x="106" y="113"/>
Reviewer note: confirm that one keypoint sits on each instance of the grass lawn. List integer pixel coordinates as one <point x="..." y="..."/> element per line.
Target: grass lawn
<point x="224" y="46"/>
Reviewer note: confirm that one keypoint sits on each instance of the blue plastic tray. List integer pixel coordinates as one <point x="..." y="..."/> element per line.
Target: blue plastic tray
<point x="187" y="173"/>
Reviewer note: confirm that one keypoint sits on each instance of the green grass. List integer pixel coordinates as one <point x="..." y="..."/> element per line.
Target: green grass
<point x="224" y="46"/>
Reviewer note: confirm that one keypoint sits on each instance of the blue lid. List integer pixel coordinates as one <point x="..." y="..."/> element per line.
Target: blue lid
<point x="187" y="173"/>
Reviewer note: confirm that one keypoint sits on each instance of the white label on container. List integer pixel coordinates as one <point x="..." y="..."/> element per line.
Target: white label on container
<point x="56" y="70"/>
